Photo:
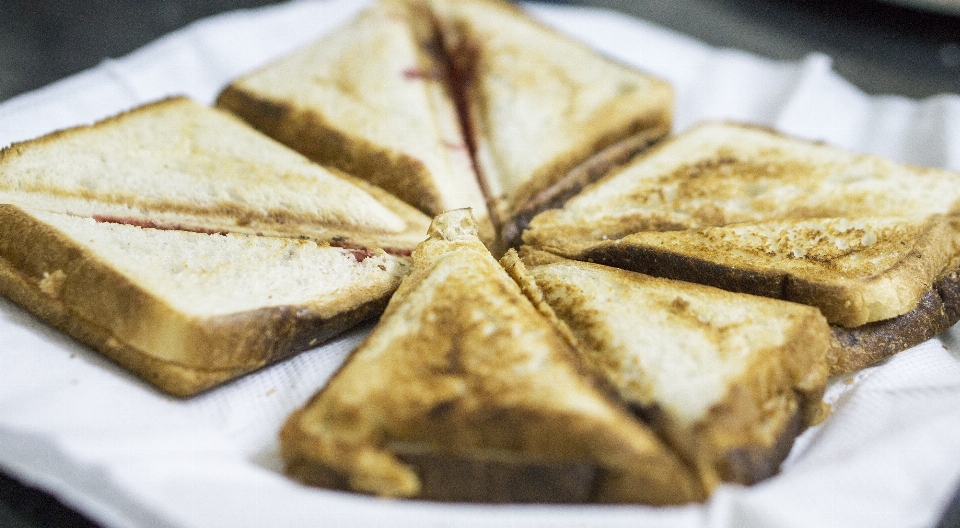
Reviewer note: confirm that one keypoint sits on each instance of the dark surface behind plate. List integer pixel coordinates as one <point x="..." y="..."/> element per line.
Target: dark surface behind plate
<point x="879" y="47"/>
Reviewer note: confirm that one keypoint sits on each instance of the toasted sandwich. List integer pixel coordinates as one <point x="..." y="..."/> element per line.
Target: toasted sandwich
<point x="372" y="99"/>
<point x="190" y="248"/>
<point x="727" y="379"/>
<point x="466" y="391"/>
<point x="749" y="210"/>
<point x="457" y="104"/>
<point x="184" y="310"/>
<point x="537" y="104"/>
<point x="178" y="164"/>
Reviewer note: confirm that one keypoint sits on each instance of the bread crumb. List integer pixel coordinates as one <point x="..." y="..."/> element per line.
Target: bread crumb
<point x="848" y="380"/>
<point x="271" y="391"/>
<point x="52" y="283"/>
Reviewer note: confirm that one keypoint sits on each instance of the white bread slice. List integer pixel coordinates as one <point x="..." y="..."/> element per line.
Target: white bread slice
<point x="186" y="310"/>
<point x="372" y="99"/>
<point x="175" y="163"/>
<point x="537" y="103"/>
<point x="463" y="383"/>
<point x="728" y="379"/>
<point x="749" y="210"/>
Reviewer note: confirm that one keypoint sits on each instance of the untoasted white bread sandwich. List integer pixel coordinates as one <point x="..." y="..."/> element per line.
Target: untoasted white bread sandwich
<point x="749" y="210"/>
<point x="190" y="248"/>
<point x="727" y="379"/>
<point x="465" y="391"/>
<point x="537" y="104"/>
<point x="371" y="98"/>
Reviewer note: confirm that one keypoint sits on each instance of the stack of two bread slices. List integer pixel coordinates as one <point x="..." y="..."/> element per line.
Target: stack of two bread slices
<point x="190" y="248"/>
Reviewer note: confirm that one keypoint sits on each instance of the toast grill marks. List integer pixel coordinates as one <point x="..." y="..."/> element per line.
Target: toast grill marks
<point x="178" y="164"/>
<point x="165" y="304"/>
<point x="473" y="386"/>
<point x="371" y="98"/>
<point x="727" y="379"/>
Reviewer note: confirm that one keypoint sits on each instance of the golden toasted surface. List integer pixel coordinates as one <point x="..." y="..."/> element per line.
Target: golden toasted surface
<point x="749" y="210"/>
<point x="463" y="363"/>
<point x="718" y="374"/>
<point x="722" y="173"/>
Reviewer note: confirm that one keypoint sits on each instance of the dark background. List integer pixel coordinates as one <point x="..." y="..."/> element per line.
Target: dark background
<point x="880" y="47"/>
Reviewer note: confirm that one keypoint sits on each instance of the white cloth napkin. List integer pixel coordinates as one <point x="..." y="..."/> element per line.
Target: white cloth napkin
<point x="111" y="446"/>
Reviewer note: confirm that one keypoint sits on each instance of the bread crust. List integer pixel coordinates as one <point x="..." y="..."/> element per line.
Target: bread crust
<point x="167" y="210"/>
<point x="849" y="302"/>
<point x="92" y="302"/>
<point x="309" y="134"/>
<point x="311" y="131"/>
<point x="855" y="348"/>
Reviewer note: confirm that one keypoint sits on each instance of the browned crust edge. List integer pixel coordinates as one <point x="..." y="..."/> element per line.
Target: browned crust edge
<point x="749" y="463"/>
<point x="856" y="348"/>
<point x="309" y="134"/>
<point x="691" y="269"/>
<point x="294" y="334"/>
<point x="852" y="348"/>
<point x="480" y="477"/>
<point x="224" y="347"/>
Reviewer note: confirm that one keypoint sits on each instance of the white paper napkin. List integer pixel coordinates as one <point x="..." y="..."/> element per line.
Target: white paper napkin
<point x="73" y="423"/>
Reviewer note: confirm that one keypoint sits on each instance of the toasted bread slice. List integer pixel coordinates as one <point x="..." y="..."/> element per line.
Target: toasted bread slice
<point x="178" y="164"/>
<point x="728" y="379"/>
<point x="370" y="98"/>
<point x="464" y="384"/>
<point x="749" y="210"/>
<point x="536" y="103"/>
<point x="856" y="272"/>
<point x="185" y="310"/>
<point x="936" y="312"/>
